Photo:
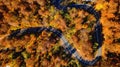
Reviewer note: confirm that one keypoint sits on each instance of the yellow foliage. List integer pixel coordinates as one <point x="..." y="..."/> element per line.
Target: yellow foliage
<point x="99" y="7"/>
<point x="14" y="28"/>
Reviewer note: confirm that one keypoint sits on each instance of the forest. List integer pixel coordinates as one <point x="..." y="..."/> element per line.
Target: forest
<point x="77" y="26"/>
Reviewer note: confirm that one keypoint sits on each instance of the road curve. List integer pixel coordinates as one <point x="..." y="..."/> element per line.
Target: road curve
<point x="73" y="51"/>
<point x="97" y="32"/>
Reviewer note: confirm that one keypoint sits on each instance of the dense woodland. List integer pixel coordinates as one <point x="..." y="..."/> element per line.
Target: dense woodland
<point x="76" y="25"/>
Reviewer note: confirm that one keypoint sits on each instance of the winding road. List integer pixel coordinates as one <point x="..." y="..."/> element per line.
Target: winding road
<point x="73" y="51"/>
